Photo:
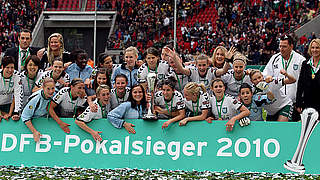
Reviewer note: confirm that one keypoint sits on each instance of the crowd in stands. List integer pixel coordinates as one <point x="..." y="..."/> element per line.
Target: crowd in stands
<point x="254" y="27"/>
<point x="141" y="23"/>
<point x="17" y="15"/>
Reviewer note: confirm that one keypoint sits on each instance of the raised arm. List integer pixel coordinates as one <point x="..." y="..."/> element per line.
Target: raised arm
<point x="222" y="71"/>
<point x="177" y="61"/>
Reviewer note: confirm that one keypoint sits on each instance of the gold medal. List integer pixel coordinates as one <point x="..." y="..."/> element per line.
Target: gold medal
<point x="220" y="119"/>
<point x="313" y="76"/>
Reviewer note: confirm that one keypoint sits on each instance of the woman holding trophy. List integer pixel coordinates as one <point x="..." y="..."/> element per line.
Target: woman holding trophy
<point x="153" y="64"/>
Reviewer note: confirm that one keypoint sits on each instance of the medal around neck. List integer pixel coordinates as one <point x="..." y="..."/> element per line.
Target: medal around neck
<point x="151" y="80"/>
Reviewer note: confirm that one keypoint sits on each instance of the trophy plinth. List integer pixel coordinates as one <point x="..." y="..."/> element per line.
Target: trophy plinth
<point x="294" y="167"/>
<point x="309" y="120"/>
<point x="150" y="117"/>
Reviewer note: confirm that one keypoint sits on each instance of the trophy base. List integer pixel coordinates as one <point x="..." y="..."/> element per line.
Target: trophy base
<point x="150" y="117"/>
<point x="294" y="167"/>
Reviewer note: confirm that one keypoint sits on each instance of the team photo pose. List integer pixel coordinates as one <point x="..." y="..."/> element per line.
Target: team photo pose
<point x="221" y="55"/>
<point x="201" y="73"/>
<point x="169" y="103"/>
<point x="254" y="102"/>
<point x="234" y="78"/>
<point x="134" y="108"/>
<point x="105" y="64"/>
<point x="11" y="92"/>
<point x="197" y="103"/>
<point x="225" y="107"/>
<point x="29" y="76"/>
<point x="129" y="68"/>
<point x="103" y="103"/>
<point x="57" y="73"/>
<point x="152" y="64"/>
<point x="55" y="50"/>
<point x="281" y="108"/>
<point x="120" y="92"/>
<point x="38" y="106"/>
<point x="68" y="102"/>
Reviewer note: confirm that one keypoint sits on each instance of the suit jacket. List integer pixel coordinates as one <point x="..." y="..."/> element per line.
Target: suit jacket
<point x="14" y="52"/>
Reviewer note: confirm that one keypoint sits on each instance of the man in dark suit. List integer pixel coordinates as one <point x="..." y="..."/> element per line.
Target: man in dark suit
<point x="24" y="50"/>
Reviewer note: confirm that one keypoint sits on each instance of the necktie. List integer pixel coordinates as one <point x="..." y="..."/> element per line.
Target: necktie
<point x="23" y="58"/>
<point x="23" y="55"/>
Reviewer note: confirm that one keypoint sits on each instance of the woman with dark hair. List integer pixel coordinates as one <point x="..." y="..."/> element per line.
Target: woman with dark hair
<point x="100" y="79"/>
<point x="120" y="92"/>
<point x="169" y="103"/>
<point x="225" y="107"/>
<point x="152" y="64"/>
<point x="254" y="102"/>
<point x="57" y="73"/>
<point x="30" y="75"/>
<point x="105" y="63"/>
<point x="67" y="103"/>
<point x="11" y="92"/>
<point x="103" y="103"/>
<point x="134" y="108"/>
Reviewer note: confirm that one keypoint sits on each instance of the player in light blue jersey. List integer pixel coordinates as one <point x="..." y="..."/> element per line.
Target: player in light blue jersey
<point x="38" y="106"/>
<point x="254" y="102"/>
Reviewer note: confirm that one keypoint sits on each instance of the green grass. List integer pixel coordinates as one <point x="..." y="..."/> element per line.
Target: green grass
<point x="14" y="172"/>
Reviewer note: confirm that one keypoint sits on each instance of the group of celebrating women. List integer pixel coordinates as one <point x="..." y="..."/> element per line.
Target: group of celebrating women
<point x="217" y="88"/>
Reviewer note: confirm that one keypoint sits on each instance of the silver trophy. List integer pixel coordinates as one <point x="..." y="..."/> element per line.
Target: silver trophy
<point x="151" y="80"/>
<point x="309" y="120"/>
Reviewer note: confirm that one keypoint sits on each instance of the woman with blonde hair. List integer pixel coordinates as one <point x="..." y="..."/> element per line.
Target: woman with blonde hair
<point x="235" y="77"/>
<point x="129" y="68"/>
<point x="309" y="79"/>
<point x="55" y="50"/>
<point x="222" y="55"/>
<point x="196" y="101"/>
